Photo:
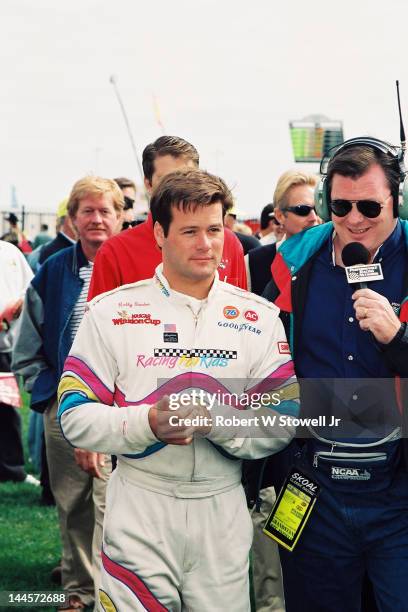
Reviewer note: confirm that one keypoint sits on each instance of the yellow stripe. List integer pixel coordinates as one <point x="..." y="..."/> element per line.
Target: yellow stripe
<point x="289" y="392"/>
<point x="70" y="383"/>
<point x="107" y="603"/>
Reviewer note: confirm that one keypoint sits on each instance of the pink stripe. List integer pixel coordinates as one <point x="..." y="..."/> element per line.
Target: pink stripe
<point x="207" y="383"/>
<point x="175" y="385"/>
<point x="89" y="378"/>
<point x="135" y="584"/>
<point x="274" y="379"/>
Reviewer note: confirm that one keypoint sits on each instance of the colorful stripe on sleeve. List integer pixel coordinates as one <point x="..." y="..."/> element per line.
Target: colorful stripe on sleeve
<point x="79" y="385"/>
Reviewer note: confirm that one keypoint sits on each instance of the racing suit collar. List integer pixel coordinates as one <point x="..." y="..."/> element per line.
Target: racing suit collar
<point x="163" y="285"/>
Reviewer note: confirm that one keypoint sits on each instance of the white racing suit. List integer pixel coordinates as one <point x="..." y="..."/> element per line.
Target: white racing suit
<point x="177" y="531"/>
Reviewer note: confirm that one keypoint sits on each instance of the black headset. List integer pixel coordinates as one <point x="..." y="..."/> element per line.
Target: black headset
<point x="322" y="197"/>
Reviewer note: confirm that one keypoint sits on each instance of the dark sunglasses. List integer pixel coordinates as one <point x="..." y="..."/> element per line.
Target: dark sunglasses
<point x="128" y="202"/>
<point x="301" y="210"/>
<point x="127" y="224"/>
<point x="368" y="208"/>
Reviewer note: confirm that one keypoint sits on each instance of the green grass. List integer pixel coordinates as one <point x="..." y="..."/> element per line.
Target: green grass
<point x="29" y="535"/>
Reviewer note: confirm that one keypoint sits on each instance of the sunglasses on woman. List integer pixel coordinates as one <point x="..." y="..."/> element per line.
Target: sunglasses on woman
<point x="368" y="208"/>
<point x="301" y="210"/>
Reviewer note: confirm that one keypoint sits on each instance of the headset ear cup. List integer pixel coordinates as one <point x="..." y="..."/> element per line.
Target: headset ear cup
<point x="321" y="200"/>
<point x="403" y="200"/>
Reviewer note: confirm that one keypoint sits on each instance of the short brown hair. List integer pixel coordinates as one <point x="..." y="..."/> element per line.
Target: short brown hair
<point x="94" y="186"/>
<point x="354" y="161"/>
<point x="124" y="182"/>
<point x="167" y="145"/>
<point x="187" y="190"/>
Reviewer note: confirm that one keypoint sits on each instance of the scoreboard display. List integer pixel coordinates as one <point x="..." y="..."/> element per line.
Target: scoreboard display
<point x="312" y="139"/>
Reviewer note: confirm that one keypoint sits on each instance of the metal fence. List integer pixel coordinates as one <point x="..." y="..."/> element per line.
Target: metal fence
<point x="29" y="221"/>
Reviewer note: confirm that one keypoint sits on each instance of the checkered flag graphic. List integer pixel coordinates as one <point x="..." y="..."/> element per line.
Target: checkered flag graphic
<point x="179" y="352"/>
<point x="354" y="275"/>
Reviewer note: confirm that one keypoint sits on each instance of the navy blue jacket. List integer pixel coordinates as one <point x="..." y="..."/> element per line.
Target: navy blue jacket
<point x="44" y="340"/>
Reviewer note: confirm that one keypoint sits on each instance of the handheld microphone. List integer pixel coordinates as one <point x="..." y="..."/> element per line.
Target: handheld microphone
<point x="356" y="256"/>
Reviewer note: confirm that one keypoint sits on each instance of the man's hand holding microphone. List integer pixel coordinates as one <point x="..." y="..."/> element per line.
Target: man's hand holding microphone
<point x="373" y="311"/>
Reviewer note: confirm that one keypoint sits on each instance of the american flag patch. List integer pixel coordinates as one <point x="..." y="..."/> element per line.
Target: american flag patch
<point x="170" y="327"/>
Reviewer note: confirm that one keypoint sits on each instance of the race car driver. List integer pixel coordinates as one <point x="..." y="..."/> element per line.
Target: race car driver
<point x="177" y="531"/>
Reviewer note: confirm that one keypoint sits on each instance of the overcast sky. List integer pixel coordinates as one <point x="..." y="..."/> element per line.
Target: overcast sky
<point x="228" y="76"/>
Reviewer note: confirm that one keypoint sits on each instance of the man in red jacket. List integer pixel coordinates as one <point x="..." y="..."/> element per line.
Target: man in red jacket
<point x="133" y="255"/>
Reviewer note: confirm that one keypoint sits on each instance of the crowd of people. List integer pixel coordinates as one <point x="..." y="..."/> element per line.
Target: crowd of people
<point x="125" y="334"/>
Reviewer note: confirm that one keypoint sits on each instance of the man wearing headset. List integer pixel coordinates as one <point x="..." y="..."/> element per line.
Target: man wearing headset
<point x="351" y="338"/>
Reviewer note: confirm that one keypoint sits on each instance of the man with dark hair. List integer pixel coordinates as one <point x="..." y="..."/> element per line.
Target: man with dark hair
<point x="126" y="183"/>
<point x="157" y="157"/>
<point x="269" y="226"/>
<point x="133" y="255"/>
<point x="353" y="343"/>
<point x="13" y="235"/>
<point x="128" y="188"/>
<point x="16" y="236"/>
<point x="177" y="532"/>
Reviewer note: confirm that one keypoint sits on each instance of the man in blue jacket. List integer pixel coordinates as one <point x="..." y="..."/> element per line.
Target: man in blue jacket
<point x="349" y="339"/>
<point x="53" y="309"/>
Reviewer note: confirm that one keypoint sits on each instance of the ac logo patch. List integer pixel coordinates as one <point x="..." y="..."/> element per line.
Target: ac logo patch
<point x="251" y="315"/>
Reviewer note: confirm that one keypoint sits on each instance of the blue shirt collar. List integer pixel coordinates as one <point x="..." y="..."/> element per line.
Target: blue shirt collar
<point x="385" y="250"/>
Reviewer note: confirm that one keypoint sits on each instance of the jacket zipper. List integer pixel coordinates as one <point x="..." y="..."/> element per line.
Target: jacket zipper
<point x="391" y="436"/>
<point x="195" y="317"/>
<point x="369" y="457"/>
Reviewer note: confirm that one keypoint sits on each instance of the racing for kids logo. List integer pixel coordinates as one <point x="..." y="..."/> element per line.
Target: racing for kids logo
<point x="186" y="358"/>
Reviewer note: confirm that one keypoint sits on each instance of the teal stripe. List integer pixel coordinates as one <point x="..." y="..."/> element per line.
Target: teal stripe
<point x="148" y="451"/>
<point x="71" y="400"/>
<point x="298" y="249"/>
<point x="288" y="407"/>
<point x="404" y="225"/>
